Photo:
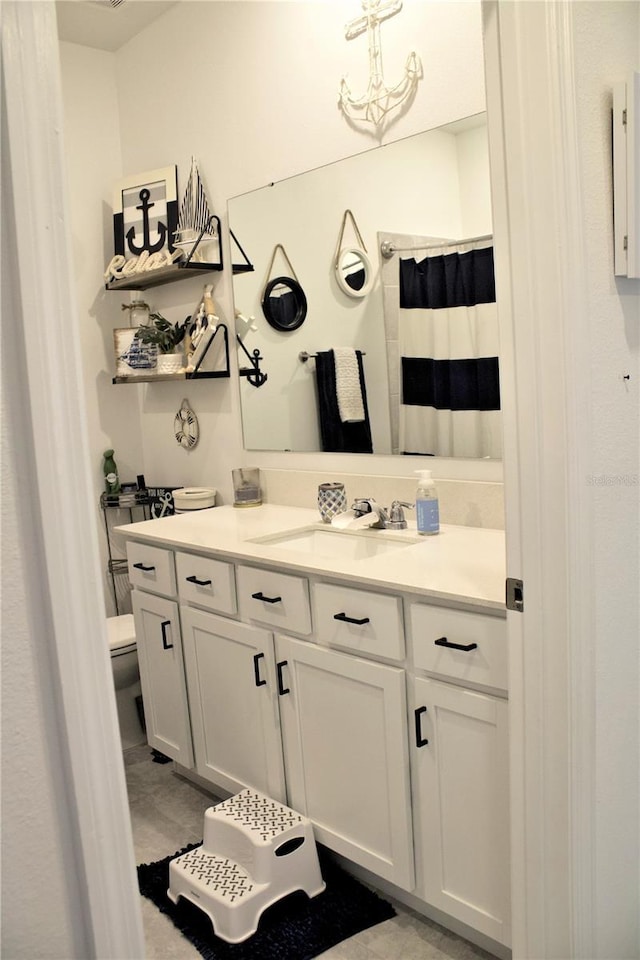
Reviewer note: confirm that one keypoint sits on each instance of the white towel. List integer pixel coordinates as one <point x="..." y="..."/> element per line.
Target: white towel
<point x="348" y="387"/>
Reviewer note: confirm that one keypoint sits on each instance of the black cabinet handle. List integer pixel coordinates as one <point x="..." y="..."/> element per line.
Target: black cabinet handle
<point x="165" y="642"/>
<point x="261" y="596"/>
<point x="420" y="740"/>
<point x="141" y="566"/>
<point x="443" y="642"/>
<point x="346" y="619"/>
<point x="281" y="687"/>
<point x="198" y="583"/>
<point x="256" y="670"/>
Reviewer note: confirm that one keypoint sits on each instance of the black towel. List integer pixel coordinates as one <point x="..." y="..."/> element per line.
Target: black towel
<point x="339" y="437"/>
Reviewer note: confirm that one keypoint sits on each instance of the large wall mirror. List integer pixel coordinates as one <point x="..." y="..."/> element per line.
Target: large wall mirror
<point x="411" y="194"/>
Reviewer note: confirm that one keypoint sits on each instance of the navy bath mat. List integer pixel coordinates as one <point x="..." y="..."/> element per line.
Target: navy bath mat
<point x="295" y="928"/>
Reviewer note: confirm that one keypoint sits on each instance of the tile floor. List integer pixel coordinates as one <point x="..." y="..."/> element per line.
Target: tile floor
<point x="167" y="813"/>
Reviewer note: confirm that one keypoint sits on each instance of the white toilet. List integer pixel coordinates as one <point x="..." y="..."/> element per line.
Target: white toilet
<point x="121" y="634"/>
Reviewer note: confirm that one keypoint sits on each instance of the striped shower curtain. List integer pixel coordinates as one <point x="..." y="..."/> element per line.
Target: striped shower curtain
<point x="448" y="347"/>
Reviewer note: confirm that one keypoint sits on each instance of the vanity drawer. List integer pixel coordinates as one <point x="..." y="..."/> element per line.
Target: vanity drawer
<point x="151" y="568"/>
<point x="355" y="620"/>
<point x="485" y="660"/>
<point x="274" y="598"/>
<point x="206" y="582"/>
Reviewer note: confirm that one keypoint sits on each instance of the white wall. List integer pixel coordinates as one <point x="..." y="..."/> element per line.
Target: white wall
<point x="250" y="88"/>
<point x="607" y="48"/>
<point x="92" y="139"/>
<point x="473" y="169"/>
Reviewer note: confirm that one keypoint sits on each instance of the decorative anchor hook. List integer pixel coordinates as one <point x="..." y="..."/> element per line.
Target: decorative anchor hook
<point x="379" y="99"/>
<point x="254" y="374"/>
<point x="145" y="207"/>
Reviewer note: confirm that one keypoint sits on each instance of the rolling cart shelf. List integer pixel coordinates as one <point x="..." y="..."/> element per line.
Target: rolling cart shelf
<point x="132" y="500"/>
<point x="125" y="501"/>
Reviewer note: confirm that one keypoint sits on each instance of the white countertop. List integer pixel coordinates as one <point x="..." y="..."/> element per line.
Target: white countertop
<point x="459" y="566"/>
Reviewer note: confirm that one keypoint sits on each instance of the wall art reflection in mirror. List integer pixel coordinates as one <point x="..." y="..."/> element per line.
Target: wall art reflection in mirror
<point x="431" y="187"/>
<point x="354" y="272"/>
<point x="283" y="300"/>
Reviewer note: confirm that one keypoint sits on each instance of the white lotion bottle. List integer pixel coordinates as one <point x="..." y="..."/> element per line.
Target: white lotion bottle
<point x="427" y="507"/>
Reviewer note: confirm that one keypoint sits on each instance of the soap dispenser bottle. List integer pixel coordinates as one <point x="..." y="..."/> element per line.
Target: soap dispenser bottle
<point x="427" y="509"/>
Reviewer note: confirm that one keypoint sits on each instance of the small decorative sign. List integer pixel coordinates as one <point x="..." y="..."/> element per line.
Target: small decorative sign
<point x="161" y="502"/>
<point x="145" y="216"/>
<point x="132" y="355"/>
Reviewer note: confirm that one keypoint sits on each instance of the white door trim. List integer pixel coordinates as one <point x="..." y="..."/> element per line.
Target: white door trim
<point x="540" y="271"/>
<point x="538" y="228"/>
<point x="86" y="718"/>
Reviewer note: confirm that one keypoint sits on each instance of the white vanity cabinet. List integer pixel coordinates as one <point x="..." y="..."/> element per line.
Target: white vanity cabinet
<point x="159" y="645"/>
<point x="334" y="722"/>
<point x="459" y="765"/>
<point x="375" y="711"/>
<point x="345" y="745"/>
<point x="233" y="698"/>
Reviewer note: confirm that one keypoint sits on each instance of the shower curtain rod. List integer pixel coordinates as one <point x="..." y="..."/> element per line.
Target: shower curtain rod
<point x="388" y="248"/>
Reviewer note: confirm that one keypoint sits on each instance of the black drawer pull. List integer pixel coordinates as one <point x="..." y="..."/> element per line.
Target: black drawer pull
<point x="256" y="670"/>
<point x="346" y="619"/>
<point x="198" y="583"/>
<point x="281" y="687"/>
<point x="165" y="642"/>
<point x="420" y="740"/>
<point x="443" y="642"/>
<point x="141" y="566"/>
<point x="261" y="596"/>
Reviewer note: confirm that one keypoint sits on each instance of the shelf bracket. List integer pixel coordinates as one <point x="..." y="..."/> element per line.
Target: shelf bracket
<point x="247" y="266"/>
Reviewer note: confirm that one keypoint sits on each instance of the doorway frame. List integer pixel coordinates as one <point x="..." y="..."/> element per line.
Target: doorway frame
<point x="79" y="705"/>
<point x="532" y="113"/>
<point x="539" y="216"/>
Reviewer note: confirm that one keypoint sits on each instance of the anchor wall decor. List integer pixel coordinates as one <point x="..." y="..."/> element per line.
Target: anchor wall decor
<point x="380" y="99"/>
<point x="145" y="215"/>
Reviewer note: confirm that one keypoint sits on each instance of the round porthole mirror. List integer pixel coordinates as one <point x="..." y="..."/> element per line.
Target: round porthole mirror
<point x="284" y="303"/>
<point x="353" y="272"/>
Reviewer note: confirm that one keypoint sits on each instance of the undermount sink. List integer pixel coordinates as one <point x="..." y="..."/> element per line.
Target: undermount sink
<point x="339" y="544"/>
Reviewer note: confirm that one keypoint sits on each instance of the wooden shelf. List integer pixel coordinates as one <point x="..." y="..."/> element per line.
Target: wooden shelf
<point x="160" y="377"/>
<point x="157" y="278"/>
<point x="184" y="269"/>
<point x="148" y="377"/>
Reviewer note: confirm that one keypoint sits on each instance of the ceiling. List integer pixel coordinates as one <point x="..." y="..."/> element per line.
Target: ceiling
<point x="97" y="23"/>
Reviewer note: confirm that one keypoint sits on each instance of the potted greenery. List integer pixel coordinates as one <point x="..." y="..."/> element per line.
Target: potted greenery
<point x="166" y="337"/>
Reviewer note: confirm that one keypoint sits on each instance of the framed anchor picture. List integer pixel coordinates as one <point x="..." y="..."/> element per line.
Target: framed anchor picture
<point x="145" y="213"/>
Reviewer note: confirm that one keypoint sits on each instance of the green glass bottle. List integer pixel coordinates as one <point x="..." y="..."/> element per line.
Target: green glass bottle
<point x="111" y="478"/>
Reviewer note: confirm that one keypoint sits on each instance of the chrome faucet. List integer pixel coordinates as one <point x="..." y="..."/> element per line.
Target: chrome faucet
<point x="394" y="519"/>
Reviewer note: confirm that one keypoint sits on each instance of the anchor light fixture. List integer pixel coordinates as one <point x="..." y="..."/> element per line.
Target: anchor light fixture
<point x="375" y="104"/>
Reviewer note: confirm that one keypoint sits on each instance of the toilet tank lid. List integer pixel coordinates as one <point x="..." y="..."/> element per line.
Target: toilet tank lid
<point x="121" y="631"/>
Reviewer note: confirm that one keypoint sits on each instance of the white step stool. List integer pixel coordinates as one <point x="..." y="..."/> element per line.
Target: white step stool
<point x="254" y="852"/>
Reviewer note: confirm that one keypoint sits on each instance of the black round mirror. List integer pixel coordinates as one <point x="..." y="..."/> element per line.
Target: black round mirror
<point x="284" y="303"/>
<point x="353" y="272"/>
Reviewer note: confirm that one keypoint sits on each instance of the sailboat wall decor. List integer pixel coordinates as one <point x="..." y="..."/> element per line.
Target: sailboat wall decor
<point x="197" y="227"/>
